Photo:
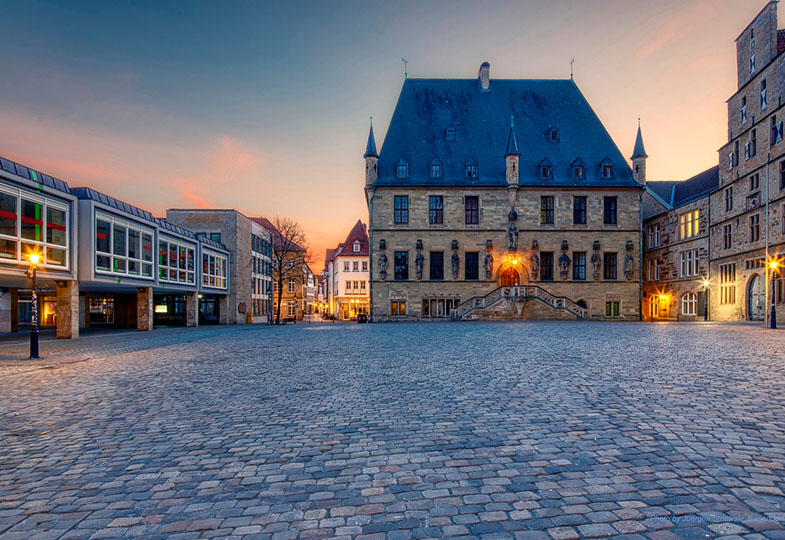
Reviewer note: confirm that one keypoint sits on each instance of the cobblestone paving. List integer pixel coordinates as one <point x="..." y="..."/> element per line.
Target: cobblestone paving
<point x="547" y="430"/>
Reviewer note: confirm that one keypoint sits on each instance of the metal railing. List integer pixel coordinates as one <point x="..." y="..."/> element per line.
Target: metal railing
<point x="518" y="294"/>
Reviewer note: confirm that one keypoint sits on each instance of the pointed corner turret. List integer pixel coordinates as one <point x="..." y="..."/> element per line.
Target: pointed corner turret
<point x="512" y="157"/>
<point x="638" y="158"/>
<point x="512" y="143"/>
<point x="370" y="148"/>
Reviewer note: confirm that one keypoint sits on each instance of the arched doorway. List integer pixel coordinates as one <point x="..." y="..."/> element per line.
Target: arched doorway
<point x="756" y="298"/>
<point x="654" y="306"/>
<point x="510" y="277"/>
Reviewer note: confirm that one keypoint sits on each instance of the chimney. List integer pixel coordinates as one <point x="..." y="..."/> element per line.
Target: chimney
<point x="484" y="76"/>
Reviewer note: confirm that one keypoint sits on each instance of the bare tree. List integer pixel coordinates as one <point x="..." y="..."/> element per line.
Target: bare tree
<point x="290" y="255"/>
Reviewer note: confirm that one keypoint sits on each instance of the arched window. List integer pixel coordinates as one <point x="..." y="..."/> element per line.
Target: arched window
<point x="402" y="169"/>
<point x="654" y="306"/>
<point x="583" y="304"/>
<point x="435" y="169"/>
<point x="689" y="304"/>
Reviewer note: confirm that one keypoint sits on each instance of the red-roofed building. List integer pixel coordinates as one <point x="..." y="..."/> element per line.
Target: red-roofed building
<point x="346" y="269"/>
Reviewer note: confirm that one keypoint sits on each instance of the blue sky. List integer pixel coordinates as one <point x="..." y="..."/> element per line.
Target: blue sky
<point x="263" y="106"/>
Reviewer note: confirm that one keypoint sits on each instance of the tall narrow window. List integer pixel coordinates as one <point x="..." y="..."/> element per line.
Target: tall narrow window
<point x="609" y="210"/>
<point x="755" y="228"/>
<point x="743" y="109"/>
<point x="579" y="210"/>
<point x="402" y="169"/>
<point x="764" y="96"/>
<point x="435" y="169"/>
<point x="753" y="142"/>
<point x="729" y="198"/>
<point x="579" y="265"/>
<point x="546" y="266"/>
<point x="472" y="209"/>
<point x="472" y="265"/>
<point x="401" y="265"/>
<point x="782" y="178"/>
<point x="546" y="210"/>
<point x="436" y="209"/>
<point x="401" y="209"/>
<point x="609" y="266"/>
<point x="437" y="265"/>
<point x="727" y="236"/>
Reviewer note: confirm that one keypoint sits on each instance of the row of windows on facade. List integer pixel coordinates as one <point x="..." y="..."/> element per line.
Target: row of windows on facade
<point x="754" y="229"/>
<point x="753" y="200"/>
<point x="260" y="306"/>
<point x="261" y="286"/>
<point x="290" y="306"/>
<point x="689" y="227"/>
<point x="471" y="267"/>
<point x="751" y="146"/>
<point x="291" y="286"/>
<point x="688" y="268"/>
<point x="442" y="307"/>
<point x="261" y="245"/>
<point x="689" y="305"/>
<point x="577" y="170"/>
<point x="31" y="224"/>
<point x="355" y="287"/>
<point x="262" y="266"/>
<point x="472" y="210"/>
<point x="355" y="266"/>
<point x="552" y="134"/>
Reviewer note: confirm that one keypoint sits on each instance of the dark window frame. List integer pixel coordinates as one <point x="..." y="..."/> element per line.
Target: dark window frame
<point x="610" y="211"/>
<point x="471" y="266"/>
<point x="547" y="210"/>
<point x="436" y="209"/>
<point x="579" y="211"/>
<point x="436" y="262"/>
<point x="579" y="265"/>
<point x="610" y="266"/>
<point x="401" y="209"/>
<point x="546" y="266"/>
<point x="401" y="265"/>
<point x="471" y="212"/>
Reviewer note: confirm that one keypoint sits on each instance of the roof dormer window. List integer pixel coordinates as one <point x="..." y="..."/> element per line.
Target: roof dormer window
<point x="553" y="134"/>
<point x="471" y="170"/>
<point x="402" y="169"/>
<point x="356" y="247"/>
<point x="545" y="169"/>
<point x="450" y="135"/>
<point x="578" y="169"/>
<point x="606" y="169"/>
<point x="435" y="169"/>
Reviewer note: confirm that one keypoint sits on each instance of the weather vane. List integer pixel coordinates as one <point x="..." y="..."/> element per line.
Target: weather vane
<point x="572" y="61"/>
<point x="405" y="67"/>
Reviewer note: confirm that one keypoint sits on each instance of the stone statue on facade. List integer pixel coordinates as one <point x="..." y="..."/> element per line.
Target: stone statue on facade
<point x="512" y="236"/>
<point x="455" y="264"/>
<point x="418" y="261"/>
<point x="534" y="260"/>
<point x="596" y="261"/>
<point x="564" y="265"/>
<point x="488" y="264"/>
<point x="628" y="271"/>
<point x="382" y="265"/>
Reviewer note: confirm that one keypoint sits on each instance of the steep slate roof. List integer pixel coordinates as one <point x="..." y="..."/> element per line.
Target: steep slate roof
<point x="357" y="234"/>
<point x="370" y="148"/>
<point x="428" y="107"/>
<point x="676" y="194"/>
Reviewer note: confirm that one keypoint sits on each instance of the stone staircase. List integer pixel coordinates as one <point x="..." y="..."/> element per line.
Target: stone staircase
<point x="518" y="296"/>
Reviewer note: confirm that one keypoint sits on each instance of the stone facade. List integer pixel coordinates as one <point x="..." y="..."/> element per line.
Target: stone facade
<point x="674" y="266"/>
<point x="492" y="231"/>
<point x="747" y="209"/>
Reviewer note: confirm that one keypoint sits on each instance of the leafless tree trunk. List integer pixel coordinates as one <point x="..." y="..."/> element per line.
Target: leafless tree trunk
<point x="290" y="255"/>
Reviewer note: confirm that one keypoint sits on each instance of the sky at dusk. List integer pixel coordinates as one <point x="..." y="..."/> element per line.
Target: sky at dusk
<point x="264" y="106"/>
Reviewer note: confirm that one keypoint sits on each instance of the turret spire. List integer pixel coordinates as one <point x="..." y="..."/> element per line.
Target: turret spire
<point x="512" y="144"/>
<point x="370" y="149"/>
<point x="639" y="151"/>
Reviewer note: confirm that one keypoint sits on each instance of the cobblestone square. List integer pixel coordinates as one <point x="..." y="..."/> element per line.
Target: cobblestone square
<point x="492" y="430"/>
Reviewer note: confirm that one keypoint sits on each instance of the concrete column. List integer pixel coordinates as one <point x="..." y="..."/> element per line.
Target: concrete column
<point x="83" y="314"/>
<point x="223" y="310"/>
<point x="144" y="309"/>
<point x="191" y="309"/>
<point x="6" y="310"/>
<point x="67" y="309"/>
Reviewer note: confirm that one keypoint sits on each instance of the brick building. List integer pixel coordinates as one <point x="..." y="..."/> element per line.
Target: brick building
<point x="297" y="287"/>
<point x="348" y="274"/>
<point x="676" y="247"/>
<point x="464" y="225"/>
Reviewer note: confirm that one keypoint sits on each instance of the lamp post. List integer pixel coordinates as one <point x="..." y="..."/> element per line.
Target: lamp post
<point x="773" y="316"/>
<point x="31" y="273"/>
<point x="705" y="300"/>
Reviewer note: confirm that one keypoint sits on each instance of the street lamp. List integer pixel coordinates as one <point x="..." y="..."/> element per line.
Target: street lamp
<point x="35" y="258"/>
<point x="773" y="264"/>
<point x="705" y="300"/>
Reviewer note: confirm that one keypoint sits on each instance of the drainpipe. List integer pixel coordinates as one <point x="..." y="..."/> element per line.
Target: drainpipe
<point x="370" y="255"/>
<point x="766" y="260"/>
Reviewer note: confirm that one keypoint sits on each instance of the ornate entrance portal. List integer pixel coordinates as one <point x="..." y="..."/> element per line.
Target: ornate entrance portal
<point x="756" y="299"/>
<point x="510" y="277"/>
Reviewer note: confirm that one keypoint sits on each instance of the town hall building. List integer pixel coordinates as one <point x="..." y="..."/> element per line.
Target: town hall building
<point x="502" y="199"/>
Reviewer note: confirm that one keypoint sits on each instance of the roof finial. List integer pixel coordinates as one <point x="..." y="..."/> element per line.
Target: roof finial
<point x="639" y="122"/>
<point x="511" y="120"/>
<point x="405" y="67"/>
<point x="572" y="61"/>
<point x="370" y="148"/>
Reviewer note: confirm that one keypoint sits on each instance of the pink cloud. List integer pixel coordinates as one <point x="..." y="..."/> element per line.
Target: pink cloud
<point x="675" y="27"/>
